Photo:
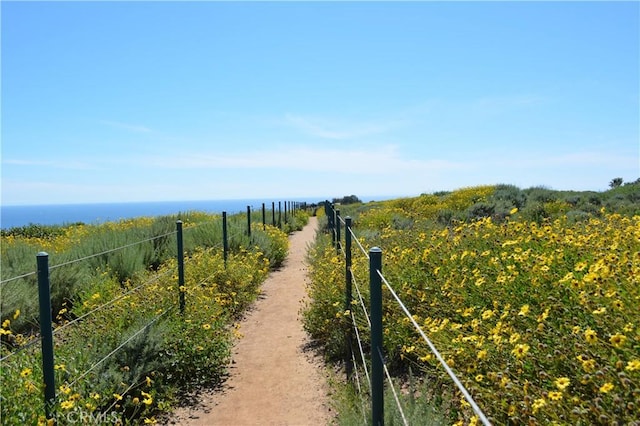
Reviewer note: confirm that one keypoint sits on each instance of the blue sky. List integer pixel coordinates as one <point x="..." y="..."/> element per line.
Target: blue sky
<point x="141" y="101"/>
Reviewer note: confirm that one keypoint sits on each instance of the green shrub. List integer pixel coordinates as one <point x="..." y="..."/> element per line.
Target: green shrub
<point x="123" y="350"/>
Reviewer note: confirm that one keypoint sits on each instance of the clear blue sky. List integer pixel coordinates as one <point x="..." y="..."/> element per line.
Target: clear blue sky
<point x="140" y="101"/>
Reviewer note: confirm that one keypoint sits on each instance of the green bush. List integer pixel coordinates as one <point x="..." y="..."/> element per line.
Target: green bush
<point x="123" y="349"/>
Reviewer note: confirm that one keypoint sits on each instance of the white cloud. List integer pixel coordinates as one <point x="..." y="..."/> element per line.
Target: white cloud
<point x="376" y="160"/>
<point x="136" y="128"/>
<point x="57" y="164"/>
<point x="336" y="129"/>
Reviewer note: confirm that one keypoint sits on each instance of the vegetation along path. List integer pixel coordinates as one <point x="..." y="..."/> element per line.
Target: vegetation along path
<point x="273" y="380"/>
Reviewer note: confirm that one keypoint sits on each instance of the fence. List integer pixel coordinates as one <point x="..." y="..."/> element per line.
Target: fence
<point x="378" y="371"/>
<point x="47" y="332"/>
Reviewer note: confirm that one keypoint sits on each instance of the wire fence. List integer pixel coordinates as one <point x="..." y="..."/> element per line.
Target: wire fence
<point x="49" y="329"/>
<point x="376" y="360"/>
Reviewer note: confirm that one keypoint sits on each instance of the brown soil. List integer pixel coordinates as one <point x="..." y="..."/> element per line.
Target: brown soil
<point x="274" y="378"/>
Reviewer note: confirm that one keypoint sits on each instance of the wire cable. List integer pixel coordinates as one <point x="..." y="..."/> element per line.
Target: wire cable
<point x="364" y="362"/>
<point x="448" y="369"/>
<point x="358" y="386"/>
<point x="19" y="349"/>
<point x="28" y="274"/>
<point x="111" y="302"/>
<point x="358" y="243"/>
<point x="123" y="344"/>
<point x="364" y="308"/>
<point x="393" y="389"/>
<point x="110" y="251"/>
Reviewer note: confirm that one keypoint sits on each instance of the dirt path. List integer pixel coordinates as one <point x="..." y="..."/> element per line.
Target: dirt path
<point x="273" y="380"/>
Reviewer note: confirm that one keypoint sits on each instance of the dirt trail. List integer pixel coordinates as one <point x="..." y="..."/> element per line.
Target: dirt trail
<point x="273" y="380"/>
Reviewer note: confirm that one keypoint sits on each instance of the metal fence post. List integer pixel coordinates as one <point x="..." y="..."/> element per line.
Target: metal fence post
<point x="348" y="297"/>
<point x="249" y="221"/>
<point x="180" y="265"/>
<point x="46" y="332"/>
<point x="377" y="379"/>
<point x="280" y="214"/>
<point x="338" y="231"/>
<point x="285" y="212"/>
<point x="331" y="216"/>
<point x="264" y="218"/>
<point x="225" y="239"/>
<point x="273" y="213"/>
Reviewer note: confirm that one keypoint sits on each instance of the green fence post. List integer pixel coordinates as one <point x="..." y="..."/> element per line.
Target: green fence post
<point x="46" y="333"/>
<point x="180" y="264"/>
<point x="348" y="297"/>
<point x="333" y="225"/>
<point x="249" y="221"/>
<point x="338" y="232"/>
<point x="331" y="218"/>
<point x="273" y="213"/>
<point x="225" y="240"/>
<point x="280" y="214"/>
<point x="377" y="378"/>
<point x="264" y="218"/>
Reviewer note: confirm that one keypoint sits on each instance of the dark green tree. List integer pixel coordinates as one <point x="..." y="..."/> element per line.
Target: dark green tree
<point x="616" y="182"/>
<point x="347" y="199"/>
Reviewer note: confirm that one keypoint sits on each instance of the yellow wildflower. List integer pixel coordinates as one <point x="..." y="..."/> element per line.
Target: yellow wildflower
<point x="408" y="349"/>
<point x="606" y="387"/>
<point x="487" y="314"/>
<point x="148" y="400"/>
<point x="555" y="396"/>
<point x="633" y="365"/>
<point x="538" y="403"/>
<point x="590" y="336"/>
<point x="520" y="350"/>
<point x="16" y="314"/>
<point x="580" y="266"/>
<point x="67" y="405"/>
<point x="589" y="365"/>
<point x="26" y="372"/>
<point x="617" y="340"/>
<point x="562" y="383"/>
<point x="524" y="310"/>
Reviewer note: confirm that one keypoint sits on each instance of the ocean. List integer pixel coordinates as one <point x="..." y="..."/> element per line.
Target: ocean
<point x="14" y="216"/>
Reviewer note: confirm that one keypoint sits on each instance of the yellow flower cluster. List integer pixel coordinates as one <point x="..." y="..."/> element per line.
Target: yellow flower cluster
<point x="539" y="319"/>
